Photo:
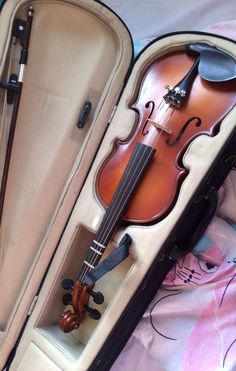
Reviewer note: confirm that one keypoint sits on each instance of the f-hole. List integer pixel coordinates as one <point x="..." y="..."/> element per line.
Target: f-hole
<point x="148" y="105"/>
<point x="198" y="123"/>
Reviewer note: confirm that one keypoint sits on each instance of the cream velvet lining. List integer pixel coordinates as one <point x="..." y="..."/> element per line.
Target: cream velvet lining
<point x="78" y="51"/>
<point x="66" y="349"/>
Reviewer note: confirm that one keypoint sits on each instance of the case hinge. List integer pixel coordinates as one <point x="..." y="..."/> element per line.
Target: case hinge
<point x="32" y="305"/>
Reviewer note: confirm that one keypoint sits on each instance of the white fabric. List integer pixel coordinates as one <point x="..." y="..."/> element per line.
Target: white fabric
<point x="151" y="18"/>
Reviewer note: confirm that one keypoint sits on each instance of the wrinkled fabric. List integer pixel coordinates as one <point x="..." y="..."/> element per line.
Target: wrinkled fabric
<point x="191" y="324"/>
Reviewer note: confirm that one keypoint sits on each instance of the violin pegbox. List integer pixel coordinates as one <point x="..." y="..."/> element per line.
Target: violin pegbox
<point x="78" y="299"/>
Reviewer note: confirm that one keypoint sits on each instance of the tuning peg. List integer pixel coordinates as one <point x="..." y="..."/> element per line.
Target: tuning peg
<point x="67" y="299"/>
<point x="67" y="284"/>
<point x="98" y="298"/>
<point x="93" y="313"/>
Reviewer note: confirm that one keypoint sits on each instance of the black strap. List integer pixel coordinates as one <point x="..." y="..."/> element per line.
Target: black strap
<point x="115" y="258"/>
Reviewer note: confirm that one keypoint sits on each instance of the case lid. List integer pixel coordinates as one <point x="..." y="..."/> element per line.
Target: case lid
<point x="79" y="51"/>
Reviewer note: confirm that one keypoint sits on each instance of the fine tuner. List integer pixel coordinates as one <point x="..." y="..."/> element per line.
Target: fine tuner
<point x="174" y="95"/>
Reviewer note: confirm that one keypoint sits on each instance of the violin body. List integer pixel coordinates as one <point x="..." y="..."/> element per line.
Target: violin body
<point x="201" y="113"/>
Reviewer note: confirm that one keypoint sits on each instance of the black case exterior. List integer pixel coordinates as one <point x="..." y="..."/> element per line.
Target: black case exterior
<point x="194" y="221"/>
<point x="190" y="227"/>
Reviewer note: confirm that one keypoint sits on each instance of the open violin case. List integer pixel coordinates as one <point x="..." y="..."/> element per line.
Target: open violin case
<point x="79" y="84"/>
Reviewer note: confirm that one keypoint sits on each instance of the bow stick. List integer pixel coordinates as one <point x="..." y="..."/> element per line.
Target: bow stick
<point x="23" y="30"/>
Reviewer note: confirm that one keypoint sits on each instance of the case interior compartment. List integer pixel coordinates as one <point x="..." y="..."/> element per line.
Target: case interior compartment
<point x="79" y="51"/>
<point x="47" y="324"/>
<point x="58" y="81"/>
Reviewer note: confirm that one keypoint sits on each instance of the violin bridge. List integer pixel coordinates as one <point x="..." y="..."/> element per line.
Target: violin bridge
<point x="158" y="126"/>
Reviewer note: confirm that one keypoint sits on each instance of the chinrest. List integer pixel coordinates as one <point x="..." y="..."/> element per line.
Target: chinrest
<point x="214" y="64"/>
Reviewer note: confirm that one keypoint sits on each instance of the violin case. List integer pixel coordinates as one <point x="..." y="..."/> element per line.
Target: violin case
<point x="80" y="51"/>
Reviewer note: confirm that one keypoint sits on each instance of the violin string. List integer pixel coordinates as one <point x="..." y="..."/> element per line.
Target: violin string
<point x="113" y="210"/>
<point x="100" y="239"/>
<point x="124" y="194"/>
<point x="93" y="256"/>
<point x="111" y="224"/>
<point x="166" y="121"/>
<point x="160" y="107"/>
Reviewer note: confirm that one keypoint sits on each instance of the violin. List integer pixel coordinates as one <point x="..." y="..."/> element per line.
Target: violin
<point x="180" y="96"/>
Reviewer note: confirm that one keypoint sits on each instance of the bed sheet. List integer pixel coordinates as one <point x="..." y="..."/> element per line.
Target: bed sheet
<point x="190" y="325"/>
<point x="149" y="19"/>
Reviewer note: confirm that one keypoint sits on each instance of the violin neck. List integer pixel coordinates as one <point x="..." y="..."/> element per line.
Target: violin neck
<point x="133" y="173"/>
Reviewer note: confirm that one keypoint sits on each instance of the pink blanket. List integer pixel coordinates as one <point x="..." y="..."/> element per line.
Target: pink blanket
<point x="191" y="323"/>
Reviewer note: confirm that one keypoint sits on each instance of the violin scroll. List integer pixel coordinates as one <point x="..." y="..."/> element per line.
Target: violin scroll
<point x="69" y="321"/>
<point x="79" y="300"/>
